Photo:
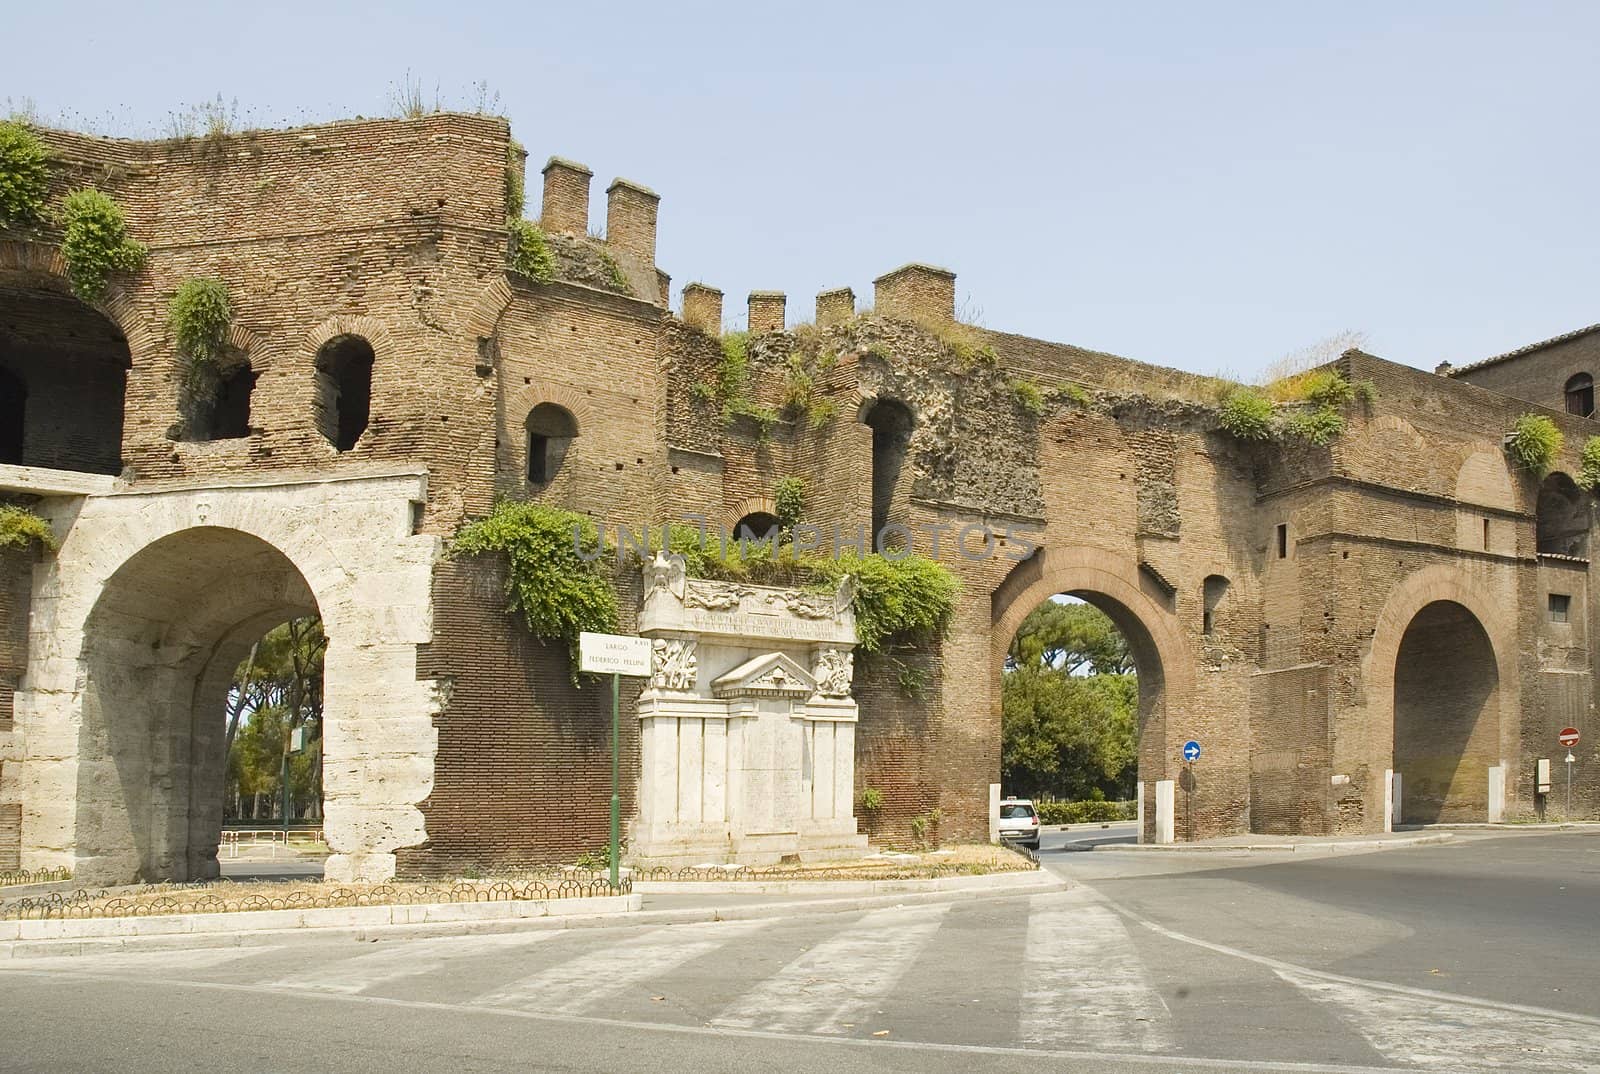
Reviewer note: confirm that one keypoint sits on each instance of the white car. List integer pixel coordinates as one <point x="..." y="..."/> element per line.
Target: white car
<point x="1019" y="822"/>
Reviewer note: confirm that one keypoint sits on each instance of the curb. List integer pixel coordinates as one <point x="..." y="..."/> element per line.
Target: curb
<point x="1038" y="882"/>
<point x="986" y="882"/>
<point x="1542" y="827"/>
<point x="1258" y="848"/>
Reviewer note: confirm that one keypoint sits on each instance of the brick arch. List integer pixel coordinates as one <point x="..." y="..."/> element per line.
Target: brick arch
<point x="1455" y="755"/>
<point x="548" y="391"/>
<point x="1110" y="582"/>
<point x="38" y="259"/>
<point x="1420" y="589"/>
<point x="747" y="506"/>
<point x="1483" y="479"/>
<point x="483" y="315"/>
<point x="368" y="328"/>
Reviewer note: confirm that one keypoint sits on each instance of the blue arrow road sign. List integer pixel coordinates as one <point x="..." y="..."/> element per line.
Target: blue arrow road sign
<point x="1191" y="750"/>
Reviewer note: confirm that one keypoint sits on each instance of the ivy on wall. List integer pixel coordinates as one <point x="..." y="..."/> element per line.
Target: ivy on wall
<point x="558" y="592"/>
<point x="789" y="500"/>
<point x="24" y="175"/>
<point x="95" y="242"/>
<point x="21" y="528"/>
<point x="1309" y="406"/>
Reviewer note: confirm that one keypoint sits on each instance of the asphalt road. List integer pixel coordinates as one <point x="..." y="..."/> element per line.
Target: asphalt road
<point x="1472" y="957"/>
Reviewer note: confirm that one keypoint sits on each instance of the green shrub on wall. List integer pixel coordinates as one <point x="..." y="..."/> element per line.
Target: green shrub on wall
<point x="530" y="254"/>
<point x="1247" y="414"/>
<point x="557" y="593"/>
<point x="516" y="199"/>
<point x="1534" y="443"/>
<point x="1589" y="475"/>
<point x="24" y="176"/>
<point x="95" y="242"/>
<point x="198" y="317"/>
<point x="21" y="528"/>
<point x="789" y="500"/>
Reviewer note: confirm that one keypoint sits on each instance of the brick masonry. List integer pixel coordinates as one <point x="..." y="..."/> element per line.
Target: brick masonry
<point x="1322" y="568"/>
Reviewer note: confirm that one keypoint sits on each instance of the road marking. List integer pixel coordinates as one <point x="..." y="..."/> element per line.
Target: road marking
<point x="838" y="979"/>
<point x="163" y="962"/>
<point x="1084" y="983"/>
<point x="1277" y="965"/>
<point x="594" y="976"/>
<point x="403" y="958"/>
<point x="1030" y="1056"/>
<point x="1456" y="1036"/>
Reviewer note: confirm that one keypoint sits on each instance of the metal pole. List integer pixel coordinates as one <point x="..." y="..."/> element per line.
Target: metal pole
<point x="616" y="689"/>
<point x="283" y="775"/>
<point x="1569" y="785"/>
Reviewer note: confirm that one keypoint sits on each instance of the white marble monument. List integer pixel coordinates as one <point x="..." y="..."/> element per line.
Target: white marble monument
<point x="747" y="726"/>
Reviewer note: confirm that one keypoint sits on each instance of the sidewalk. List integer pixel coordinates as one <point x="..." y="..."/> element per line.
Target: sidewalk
<point x="20" y="939"/>
<point x="1280" y="844"/>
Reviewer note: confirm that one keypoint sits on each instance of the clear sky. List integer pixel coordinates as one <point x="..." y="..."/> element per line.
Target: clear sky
<point x="1205" y="185"/>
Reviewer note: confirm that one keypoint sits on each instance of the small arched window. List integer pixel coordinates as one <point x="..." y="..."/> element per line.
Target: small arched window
<point x="1580" y="395"/>
<point x="13" y="409"/>
<point x="344" y="389"/>
<point x="1214" y="589"/>
<point x="1562" y="521"/>
<point x="551" y="431"/>
<point x="755" y="526"/>
<point x="891" y="424"/>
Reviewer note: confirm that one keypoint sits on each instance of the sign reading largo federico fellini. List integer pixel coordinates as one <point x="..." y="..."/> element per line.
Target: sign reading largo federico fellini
<point x="613" y="654"/>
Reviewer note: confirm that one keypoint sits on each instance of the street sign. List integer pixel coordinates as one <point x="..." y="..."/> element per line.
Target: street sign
<point x="613" y="654"/>
<point x="1568" y="736"/>
<point x="1191" y="750"/>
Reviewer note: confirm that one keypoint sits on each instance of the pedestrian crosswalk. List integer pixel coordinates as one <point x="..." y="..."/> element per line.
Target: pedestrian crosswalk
<point x="1061" y="971"/>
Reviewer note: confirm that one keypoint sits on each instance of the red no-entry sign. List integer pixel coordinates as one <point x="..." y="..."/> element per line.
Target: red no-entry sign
<point x="1568" y="736"/>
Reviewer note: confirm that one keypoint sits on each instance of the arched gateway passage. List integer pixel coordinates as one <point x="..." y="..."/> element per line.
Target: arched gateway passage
<point x="160" y="648"/>
<point x="1153" y="641"/>
<point x="1446" y="716"/>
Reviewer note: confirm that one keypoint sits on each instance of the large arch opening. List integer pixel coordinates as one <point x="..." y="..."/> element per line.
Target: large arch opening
<point x="1082" y="711"/>
<point x="63" y="376"/>
<point x="161" y="652"/>
<point x="1446" y="716"/>
<point x="1563" y="517"/>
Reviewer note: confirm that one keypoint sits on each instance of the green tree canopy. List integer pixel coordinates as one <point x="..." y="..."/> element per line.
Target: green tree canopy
<point x="1070" y="707"/>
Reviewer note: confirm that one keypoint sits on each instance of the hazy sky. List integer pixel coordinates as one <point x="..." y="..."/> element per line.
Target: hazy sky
<point x="1206" y="185"/>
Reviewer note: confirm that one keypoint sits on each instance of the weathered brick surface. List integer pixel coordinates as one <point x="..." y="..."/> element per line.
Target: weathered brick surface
<point x="1309" y="684"/>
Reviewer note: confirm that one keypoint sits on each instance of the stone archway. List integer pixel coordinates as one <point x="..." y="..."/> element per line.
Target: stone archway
<point x="1441" y="678"/>
<point x="157" y="659"/>
<point x="1165" y="668"/>
<point x="139" y="621"/>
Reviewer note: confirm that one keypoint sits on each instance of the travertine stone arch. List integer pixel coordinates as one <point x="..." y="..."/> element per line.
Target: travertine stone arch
<point x="151" y="596"/>
<point x="1160" y="651"/>
<point x="1429" y="586"/>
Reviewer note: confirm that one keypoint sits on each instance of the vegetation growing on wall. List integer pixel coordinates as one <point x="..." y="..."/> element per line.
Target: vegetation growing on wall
<point x="530" y="254"/>
<point x="1534" y="443"/>
<point x="1589" y="474"/>
<point x="21" y="528"/>
<point x="95" y="242"/>
<point x="516" y="196"/>
<point x="905" y="600"/>
<point x="1030" y="397"/>
<point x="198" y="317"/>
<point x="556" y="591"/>
<point x="1247" y="414"/>
<point x="789" y="500"/>
<point x="24" y="175"/>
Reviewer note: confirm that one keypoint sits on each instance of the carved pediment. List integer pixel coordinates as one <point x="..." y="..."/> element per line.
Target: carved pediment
<point x="770" y="675"/>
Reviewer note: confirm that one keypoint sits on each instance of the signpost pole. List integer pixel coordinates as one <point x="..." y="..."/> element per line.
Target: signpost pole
<point x="616" y="691"/>
<point x="1569" y="784"/>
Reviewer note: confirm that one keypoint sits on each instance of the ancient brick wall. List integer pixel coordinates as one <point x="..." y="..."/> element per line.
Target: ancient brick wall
<point x="1539" y="373"/>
